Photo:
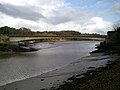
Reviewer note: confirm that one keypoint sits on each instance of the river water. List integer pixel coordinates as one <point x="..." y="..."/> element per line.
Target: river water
<point x="19" y="66"/>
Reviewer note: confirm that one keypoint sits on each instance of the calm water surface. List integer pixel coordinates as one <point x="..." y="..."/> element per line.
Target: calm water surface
<point x="19" y="66"/>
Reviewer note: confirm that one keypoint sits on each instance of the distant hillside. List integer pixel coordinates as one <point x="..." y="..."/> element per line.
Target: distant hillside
<point x="9" y="31"/>
<point x="25" y="31"/>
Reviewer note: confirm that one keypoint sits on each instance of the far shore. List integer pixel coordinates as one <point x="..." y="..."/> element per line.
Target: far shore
<point x="9" y="48"/>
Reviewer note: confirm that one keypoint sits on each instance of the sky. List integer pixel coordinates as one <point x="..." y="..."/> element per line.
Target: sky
<point x="86" y="16"/>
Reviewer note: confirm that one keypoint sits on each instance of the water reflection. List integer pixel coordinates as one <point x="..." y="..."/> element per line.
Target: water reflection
<point x="18" y="66"/>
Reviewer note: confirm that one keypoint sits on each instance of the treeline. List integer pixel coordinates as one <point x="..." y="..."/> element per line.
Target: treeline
<point x="112" y="43"/>
<point x="13" y="31"/>
<point x="26" y="31"/>
<point x="113" y="37"/>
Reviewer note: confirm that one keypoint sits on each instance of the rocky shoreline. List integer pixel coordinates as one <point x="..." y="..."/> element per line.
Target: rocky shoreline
<point x="9" y="48"/>
<point x="102" y="78"/>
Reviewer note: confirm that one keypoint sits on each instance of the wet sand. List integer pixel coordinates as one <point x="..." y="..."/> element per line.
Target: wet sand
<point x="102" y="78"/>
<point x="56" y="77"/>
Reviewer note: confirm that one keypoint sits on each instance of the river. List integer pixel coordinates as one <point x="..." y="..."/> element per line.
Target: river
<point x="52" y="55"/>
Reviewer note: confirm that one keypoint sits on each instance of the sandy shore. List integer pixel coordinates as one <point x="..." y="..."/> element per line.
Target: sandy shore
<point x="57" y="77"/>
<point x="103" y="78"/>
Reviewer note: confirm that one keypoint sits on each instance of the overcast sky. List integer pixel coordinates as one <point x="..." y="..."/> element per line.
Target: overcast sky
<point x="86" y="16"/>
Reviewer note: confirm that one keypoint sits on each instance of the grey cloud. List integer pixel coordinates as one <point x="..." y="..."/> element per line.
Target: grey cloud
<point x="58" y="20"/>
<point x="66" y="14"/>
<point x="60" y="15"/>
<point x="116" y="8"/>
<point x="95" y="30"/>
<point x="32" y="27"/>
<point x="89" y="23"/>
<point x="117" y="23"/>
<point x="20" y="12"/>
<point x="100" y="31"/>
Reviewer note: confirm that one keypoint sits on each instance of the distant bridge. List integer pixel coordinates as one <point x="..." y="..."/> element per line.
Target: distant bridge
<point x="73" y="37"/>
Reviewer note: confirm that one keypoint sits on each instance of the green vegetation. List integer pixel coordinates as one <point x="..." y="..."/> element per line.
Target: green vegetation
<point x="112" y="43"/>
<point x="114" y="37"/>
<point x="27" y="32"/>
<point x="12" y="31"/>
